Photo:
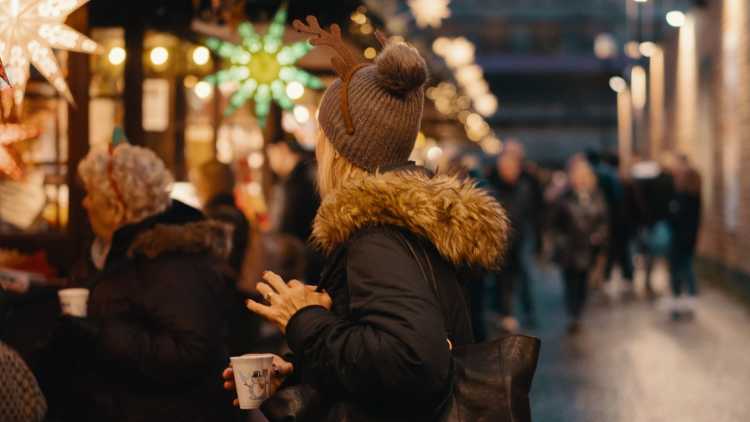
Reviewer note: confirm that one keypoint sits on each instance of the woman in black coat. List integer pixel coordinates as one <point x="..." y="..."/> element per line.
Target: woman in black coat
<point x="153" y="340"/>
<point x="684" y="219"/>
<point x="375" y="340"/>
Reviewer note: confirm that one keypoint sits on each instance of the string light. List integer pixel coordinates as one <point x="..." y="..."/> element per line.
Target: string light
<point x="295" y="90"/>
<point x="201" y="55"/>
<point x="29" y="30"/>
<point x="203" y="90"/>
<point x="617" y="84"/>
<point x="116" y="56"/>
<point x="647" y="48"/>
<point x="159" y="56"/>
<point x="676" y="18"/>
<point x="370" y="53"/>
<point x="301" y="113"/>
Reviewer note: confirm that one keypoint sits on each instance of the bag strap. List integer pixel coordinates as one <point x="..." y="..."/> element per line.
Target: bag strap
<point x="431" y="279"/>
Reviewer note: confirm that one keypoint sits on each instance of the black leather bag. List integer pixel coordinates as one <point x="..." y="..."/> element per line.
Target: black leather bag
<point x="491" y="380"/>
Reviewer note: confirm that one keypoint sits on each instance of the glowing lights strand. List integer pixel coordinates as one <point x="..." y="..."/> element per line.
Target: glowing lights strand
<point x="29" y="30"/>
<point x="262" y="67"/>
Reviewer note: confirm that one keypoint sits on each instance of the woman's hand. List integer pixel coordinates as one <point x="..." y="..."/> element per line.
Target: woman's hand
<point x="285" y="299"/>
<point x="281" y="370"/>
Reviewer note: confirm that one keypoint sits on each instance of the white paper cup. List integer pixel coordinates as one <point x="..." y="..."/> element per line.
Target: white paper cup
<point x="74" y="302"/>
<point x="252" y="378"/>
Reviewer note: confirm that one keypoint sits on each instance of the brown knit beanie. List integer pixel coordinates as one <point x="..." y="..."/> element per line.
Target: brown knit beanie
<point x="385" y="102"/>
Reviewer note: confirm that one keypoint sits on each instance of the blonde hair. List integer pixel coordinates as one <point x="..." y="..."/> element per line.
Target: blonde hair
<point x="333" y="169"/>
<point x="141" y="178"/>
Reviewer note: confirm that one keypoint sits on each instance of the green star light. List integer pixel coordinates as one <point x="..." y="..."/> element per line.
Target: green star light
<point x="262" y="66"/>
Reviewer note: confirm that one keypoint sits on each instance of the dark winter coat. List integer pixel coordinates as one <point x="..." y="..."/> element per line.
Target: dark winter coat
<point x="519" y="202"/>
<point x="684" y="219"/>
<point x="580" y="229"/>
<point x="153" y="344"/>
<point x="300" y="203"/>
<point x="382" y="353"/>
<point x="222" y="208"/>
<point x="649" y="198"/>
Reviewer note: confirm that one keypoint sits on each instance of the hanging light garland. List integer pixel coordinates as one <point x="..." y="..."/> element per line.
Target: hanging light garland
<point x="29" y="30"/>
<point x="263" y="68"/>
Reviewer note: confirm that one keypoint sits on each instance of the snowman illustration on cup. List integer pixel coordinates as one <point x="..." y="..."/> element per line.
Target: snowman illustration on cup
<point x="257" y="383"/>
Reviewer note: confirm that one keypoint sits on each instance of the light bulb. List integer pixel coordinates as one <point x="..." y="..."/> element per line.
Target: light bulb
<point x="203" y="90"/>
<point x="295" y="90"/>
<point x="676" y="18"/>
<point x="201" y="55"/>
<point x="159" y="56"/>
<point x="116" y="56"/>
<point x="617" y="84"/>
<point x="301" y="113"/>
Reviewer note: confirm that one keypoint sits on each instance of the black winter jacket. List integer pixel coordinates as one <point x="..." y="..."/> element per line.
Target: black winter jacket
<point x="153" y="344"/>
<point x="581" y="229"/>
<point x="382" y="353"/>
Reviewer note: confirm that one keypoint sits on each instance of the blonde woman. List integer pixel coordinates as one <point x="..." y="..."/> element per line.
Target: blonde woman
<point x="375" y="339"/>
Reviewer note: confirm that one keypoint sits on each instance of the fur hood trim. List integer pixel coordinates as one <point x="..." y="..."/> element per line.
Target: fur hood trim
<point x="207" y="236"/>
<point x="466" y="225"/>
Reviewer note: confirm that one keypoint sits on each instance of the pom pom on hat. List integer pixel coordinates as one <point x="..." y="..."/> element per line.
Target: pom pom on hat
<point x="401" y="69"/>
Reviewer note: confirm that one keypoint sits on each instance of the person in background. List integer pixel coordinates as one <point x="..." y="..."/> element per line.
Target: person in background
<point x="21" y="400"/>
<point x="294" y="199"/>
<point x="580" y="229"/>
<point x="531" y="237"/>
<point x="684" y="218"/>
<point x="214" y="184"/>
<point x="515" y="195"/>
<point x="612" y="189"/>
<point x="651" y="189"/>
<point x="154" y="337"/>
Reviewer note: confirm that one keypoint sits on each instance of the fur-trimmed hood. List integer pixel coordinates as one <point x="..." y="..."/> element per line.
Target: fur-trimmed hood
<point x="207" y="236"/>
<point x="466" y="225"/>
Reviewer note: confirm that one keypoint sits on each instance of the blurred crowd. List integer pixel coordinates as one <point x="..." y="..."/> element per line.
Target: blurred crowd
<point x="587" y="220"/>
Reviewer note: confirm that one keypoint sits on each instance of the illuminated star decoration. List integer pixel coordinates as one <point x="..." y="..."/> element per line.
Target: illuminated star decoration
<point x="430" y="12"/>
<point x="262" y="67"/>
<point x="10" y="133"/>
<point x="29" y="30"/>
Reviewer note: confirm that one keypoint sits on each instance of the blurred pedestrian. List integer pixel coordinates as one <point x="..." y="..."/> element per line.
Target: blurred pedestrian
<point x="532" y="236"/>
<point x="620" y="229"/>
<point x="294" y="198"/>
<point x="651" y="189"/>
<point x="21" y="400"/>
<point x="580" y="230"/>
<point x="684" y="218"/>
<point x="379" y="347"/>
<point x="153" y="340"/>
<point x="516" y="196"/>
<point x="215" y="184"/>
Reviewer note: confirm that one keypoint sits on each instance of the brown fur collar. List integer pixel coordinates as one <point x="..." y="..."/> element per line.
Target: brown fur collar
<point x="466" y="225"/>
<point x="208" y="236"/>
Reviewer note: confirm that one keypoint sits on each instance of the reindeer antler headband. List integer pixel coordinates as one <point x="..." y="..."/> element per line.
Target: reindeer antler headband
<point x="346" y="64"/>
